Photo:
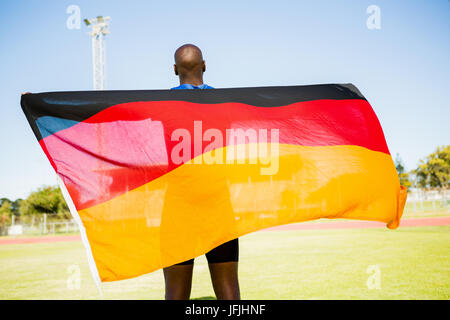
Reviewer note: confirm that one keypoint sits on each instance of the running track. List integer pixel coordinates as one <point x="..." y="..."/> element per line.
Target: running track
<point x="409" y="222"/>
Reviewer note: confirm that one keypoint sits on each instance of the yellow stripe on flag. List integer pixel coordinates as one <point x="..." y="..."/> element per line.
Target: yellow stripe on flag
<point x="196" y="207"/>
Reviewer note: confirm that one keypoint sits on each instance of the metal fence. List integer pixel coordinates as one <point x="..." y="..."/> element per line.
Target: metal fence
<point x="41" y="226"/>
<point x="432" y="201"/>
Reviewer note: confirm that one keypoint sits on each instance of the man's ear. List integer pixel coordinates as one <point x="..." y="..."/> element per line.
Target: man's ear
<point x="204" y="66"/>
<point x="175" y="69"/>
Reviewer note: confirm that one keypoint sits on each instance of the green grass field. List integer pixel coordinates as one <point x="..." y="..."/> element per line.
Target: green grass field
<point x="414" y="263"/>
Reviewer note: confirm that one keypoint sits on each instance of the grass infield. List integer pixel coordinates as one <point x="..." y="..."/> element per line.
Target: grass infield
<point x="407" y="263"/>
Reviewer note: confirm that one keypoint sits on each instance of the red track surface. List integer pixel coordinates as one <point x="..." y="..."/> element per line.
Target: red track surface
<point x="20" y="240"/>
<point x="411" y="222"/>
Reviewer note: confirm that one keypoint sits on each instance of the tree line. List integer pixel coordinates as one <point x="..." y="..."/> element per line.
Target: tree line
<point x="46" y="199"/>
<point x="432" y="173"/>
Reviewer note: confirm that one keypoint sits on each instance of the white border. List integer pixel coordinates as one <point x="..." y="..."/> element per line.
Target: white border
<point x="75" y="215"/>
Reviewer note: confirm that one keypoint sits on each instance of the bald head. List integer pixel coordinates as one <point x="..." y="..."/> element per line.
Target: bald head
<point x="189" y="64"/>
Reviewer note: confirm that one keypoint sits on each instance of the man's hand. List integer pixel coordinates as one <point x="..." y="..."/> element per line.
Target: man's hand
<point x="25" y="93"/>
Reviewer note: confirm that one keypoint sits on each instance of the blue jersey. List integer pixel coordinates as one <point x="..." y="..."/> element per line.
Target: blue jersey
<point x="190" y="86"/>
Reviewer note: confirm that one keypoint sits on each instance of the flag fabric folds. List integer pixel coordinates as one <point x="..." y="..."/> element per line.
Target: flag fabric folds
<point x="157" y="177"/>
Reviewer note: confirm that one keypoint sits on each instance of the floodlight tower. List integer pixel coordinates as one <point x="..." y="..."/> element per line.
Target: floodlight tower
<point x="100" y="28"/>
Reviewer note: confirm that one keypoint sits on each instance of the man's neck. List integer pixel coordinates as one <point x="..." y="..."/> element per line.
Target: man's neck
<point x="193" y="81"/>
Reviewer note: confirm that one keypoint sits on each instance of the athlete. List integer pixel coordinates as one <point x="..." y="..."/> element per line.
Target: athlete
<point x="223" y="260"/>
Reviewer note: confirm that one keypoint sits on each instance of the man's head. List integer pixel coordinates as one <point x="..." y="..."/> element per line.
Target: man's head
<point x="189" y="64"/>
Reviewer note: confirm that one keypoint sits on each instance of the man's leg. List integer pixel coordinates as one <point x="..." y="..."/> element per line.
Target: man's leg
<point x="223" y="267"/>
<point x="224" y="277"/>
<point x="178" y="280"/>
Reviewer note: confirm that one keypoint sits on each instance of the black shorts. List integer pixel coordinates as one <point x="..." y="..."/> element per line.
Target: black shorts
<point x="226" y="252"/>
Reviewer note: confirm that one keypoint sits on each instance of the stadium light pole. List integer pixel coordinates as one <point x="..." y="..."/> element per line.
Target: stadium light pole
<point x="100" y="28"/>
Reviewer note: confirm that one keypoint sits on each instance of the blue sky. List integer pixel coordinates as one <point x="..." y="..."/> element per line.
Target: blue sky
<point x="403" y="68"/>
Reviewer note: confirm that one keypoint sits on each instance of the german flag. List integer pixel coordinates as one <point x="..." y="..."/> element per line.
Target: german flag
<point x="157" y="177"/>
